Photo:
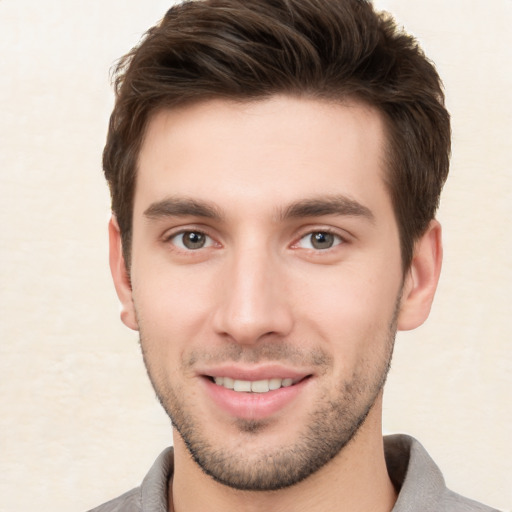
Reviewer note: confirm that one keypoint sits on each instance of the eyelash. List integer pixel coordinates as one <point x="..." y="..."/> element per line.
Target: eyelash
<point x="338" y="239"/>
<point x="172" y="238"/>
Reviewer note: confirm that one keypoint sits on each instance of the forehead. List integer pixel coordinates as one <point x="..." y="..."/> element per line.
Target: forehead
<point x="262" y="153"/>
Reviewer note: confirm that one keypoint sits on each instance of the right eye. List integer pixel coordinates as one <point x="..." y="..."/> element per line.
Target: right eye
<point x="191" y="240"/>
<point x="319" y="240"/>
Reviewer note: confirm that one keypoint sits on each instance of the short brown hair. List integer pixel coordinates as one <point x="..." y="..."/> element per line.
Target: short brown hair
<point x="253" y="49"/>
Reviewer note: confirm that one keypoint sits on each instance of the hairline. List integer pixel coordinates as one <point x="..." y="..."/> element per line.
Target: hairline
<point x="344" y="98"/>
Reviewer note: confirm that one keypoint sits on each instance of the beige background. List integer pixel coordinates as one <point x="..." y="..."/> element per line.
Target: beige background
<point x="78" y="421"/>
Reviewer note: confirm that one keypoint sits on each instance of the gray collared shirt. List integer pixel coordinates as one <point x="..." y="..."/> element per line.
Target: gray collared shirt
<point x="419" y="481"/>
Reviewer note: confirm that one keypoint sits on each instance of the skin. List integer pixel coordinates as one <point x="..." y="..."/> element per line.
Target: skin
<point x="256" y="180"/>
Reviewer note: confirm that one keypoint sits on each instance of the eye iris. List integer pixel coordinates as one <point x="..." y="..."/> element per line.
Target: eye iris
<point x="193" y="240"/>
<point x="322" y="240"/>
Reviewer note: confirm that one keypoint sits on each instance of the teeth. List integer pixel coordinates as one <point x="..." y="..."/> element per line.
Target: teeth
<point x="228" y="383"/>
<point x="260" y="386"/>
<point x="274" y="383"/>
<point x="255" y="386"/>
<point x="242" y="385"/>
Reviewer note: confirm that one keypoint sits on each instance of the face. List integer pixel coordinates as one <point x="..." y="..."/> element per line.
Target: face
<point x="266" y="281"/>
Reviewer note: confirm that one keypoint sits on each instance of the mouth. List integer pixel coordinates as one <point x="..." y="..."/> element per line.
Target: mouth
<point x="255" y="393"/>
<point x="255" y="386"/>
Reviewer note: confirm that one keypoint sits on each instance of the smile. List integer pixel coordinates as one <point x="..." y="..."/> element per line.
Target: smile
<point x="254" y="394"/>
<point x="253" y="386"/>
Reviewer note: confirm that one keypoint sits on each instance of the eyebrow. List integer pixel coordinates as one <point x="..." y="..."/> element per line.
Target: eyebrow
<point x="331" y="205"/>
<point x="313" y="207"/>
<point x="182" y="207"/>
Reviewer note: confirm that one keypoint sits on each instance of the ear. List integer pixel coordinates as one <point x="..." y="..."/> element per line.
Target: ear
<point x="120" y="275"/>
<point x="421" y="279"/>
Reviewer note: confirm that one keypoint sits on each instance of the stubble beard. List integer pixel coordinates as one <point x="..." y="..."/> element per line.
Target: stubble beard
<point x="330" y="427"/>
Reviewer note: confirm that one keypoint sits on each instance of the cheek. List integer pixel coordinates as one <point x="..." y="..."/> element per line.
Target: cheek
<point x="172" y="307"/>
<point x="352" y="311"/>
<point x="350" y="292"/>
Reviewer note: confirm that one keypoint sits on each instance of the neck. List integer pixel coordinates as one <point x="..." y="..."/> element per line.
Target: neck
<point x="355" y="480"/>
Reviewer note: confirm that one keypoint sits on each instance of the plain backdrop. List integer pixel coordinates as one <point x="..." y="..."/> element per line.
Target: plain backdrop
<point x="79" y="423"/>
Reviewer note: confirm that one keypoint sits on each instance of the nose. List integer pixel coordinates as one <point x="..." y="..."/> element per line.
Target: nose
<point x="253" y="300"/>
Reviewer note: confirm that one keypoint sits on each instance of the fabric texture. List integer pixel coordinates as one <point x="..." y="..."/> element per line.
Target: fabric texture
<point x="414" y="474"/>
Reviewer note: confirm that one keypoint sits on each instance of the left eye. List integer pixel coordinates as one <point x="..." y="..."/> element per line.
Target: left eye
<point x="319" y="240"/>
<point x="191" y="240"/>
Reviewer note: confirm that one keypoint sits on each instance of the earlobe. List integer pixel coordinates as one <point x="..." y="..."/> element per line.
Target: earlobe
<point x="421" y="279"/>
<point x="120" y="276"/>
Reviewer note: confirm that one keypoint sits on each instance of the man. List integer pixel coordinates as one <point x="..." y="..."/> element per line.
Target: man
<point x="275" y="168"/>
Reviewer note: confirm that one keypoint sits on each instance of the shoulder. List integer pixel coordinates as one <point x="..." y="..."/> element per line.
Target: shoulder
<point x="128" y="502"/>
<point x="453" y="502"/>
<point x="152" y="495"/>
<point x="419" y="481"/>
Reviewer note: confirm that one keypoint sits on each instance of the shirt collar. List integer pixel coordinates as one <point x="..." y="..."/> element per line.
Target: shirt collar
<point x="414" y="474"/>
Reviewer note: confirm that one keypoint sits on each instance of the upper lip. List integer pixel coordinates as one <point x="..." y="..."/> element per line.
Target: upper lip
<point x="254" y="373"/>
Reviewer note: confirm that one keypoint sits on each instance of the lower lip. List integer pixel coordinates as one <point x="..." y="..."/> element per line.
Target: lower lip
<point x="253" y="406"/>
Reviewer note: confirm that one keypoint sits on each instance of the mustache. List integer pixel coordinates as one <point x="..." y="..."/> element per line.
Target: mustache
<point x="270" y="352"/>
